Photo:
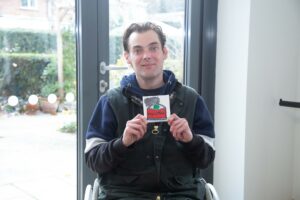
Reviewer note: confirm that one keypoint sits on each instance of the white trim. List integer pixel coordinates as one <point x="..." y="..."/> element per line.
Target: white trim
<point x="92" y="142"/>
<point x="210" y="141"/>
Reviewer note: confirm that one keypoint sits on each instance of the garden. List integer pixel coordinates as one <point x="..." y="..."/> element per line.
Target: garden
<point x="29" y="73"/>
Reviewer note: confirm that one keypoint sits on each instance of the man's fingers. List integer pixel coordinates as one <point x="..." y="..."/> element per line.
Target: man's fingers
<point x="180" y="129"/>
<point x="135" y="130"/>
<point x="138" y="129"/>
<point x="139" y="121"/>
<point x="177" y="124"/>
<point x="142" y="118"/>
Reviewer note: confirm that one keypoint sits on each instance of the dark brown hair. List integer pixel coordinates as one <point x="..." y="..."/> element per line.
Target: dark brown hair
<point x="140" y="28"/>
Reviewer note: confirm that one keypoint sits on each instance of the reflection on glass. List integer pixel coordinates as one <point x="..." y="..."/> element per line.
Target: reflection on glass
<point x="70" y="97"/>
<point x="13" y="101"/>
<point x="33" y="99"/>
<point x="169" y="14"/>
<point x="52" y="98"/>
<point x="37" y="71"/>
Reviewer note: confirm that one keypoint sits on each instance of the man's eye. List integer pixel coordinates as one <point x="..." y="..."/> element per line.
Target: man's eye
<point x="153" y="48"/>
<point x="137" y="51"/>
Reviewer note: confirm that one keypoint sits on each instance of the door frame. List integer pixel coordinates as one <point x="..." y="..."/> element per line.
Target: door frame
<point x="87" y="39"/>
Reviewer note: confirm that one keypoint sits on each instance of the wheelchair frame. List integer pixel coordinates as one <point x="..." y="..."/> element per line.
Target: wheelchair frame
<point x="92" y="192"/>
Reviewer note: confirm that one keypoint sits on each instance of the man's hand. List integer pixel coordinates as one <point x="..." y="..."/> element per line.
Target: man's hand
<point x="135" y="130"/>
<point x="180" y="129"/>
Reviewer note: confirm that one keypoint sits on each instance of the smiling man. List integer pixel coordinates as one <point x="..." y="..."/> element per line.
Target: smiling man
<point x="136" y="159"/>
<point x="146" y="55"/>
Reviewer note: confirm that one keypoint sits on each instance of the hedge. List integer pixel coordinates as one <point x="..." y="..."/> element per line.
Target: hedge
<point x="22" y="74"/>
<point x="18" y="41"/>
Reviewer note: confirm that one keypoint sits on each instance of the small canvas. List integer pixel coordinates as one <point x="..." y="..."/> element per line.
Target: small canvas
<point x="156" y="108"/>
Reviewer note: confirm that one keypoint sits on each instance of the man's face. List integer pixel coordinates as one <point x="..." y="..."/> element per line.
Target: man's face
<point x="146" y="55"/>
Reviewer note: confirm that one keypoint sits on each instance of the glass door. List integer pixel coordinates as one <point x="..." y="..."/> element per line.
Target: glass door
<point x="169" y="14"/>
<point x="37" y="99"/>
<point x="100" y="25"/>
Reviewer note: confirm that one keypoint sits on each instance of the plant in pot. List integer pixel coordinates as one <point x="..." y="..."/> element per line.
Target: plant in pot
<point x="48" y="99"/>
<point x="48" y="96"/>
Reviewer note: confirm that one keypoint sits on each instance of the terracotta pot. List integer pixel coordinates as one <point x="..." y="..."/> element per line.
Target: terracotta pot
<point x="31" y="109"/>
<point x="47" y="107"/>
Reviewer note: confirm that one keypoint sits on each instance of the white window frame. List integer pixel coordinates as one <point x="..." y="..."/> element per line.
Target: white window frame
<point x="30" y="4"/>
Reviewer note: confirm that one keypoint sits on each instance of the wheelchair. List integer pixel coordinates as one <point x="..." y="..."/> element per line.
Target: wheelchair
<point x="91" y="192"/>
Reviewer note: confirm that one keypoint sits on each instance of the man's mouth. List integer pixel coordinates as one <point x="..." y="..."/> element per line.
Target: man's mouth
<point x="147" y="65"/>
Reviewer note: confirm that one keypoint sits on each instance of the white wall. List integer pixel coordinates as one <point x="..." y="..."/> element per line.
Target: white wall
<point x="272" y="74"/>
<point x="296" y="175"/>
<point x="257" y="64"/>
<point x="296" y="189"/>
<point x="230" y="99"/>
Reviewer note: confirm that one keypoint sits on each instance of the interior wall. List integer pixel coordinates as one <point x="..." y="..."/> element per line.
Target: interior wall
<point x="230" y="99"/>
<point x="257" y="141"/>
<point x="296" y="175"/>
<point x="272" y="74"/>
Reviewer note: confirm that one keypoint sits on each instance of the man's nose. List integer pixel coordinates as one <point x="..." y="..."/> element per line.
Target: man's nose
<point x="147" y="54"/>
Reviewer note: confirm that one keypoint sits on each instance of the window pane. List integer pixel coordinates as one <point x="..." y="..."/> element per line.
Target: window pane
<point x="24" y="3"/>
<point x="37" y="100"/>
<point x="169" y="14"/>
<point x="28" y="3"/>
<point x="32" y="3"/>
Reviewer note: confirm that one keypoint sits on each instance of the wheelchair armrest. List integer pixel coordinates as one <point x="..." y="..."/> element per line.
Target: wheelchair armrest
<point x="96" y="188"/>
<point x="88" y="192"/>
<point x="92" y="192"/>
<point x="211" y="193"/>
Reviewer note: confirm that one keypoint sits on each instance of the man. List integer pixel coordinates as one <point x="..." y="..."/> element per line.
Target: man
<point x="136" y="159"/>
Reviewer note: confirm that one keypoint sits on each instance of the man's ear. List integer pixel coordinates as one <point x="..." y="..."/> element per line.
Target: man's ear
<point x="127" y="58"/>
<point x="165" y="52"/>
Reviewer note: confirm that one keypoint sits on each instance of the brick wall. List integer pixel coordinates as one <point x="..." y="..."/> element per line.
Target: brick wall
<point x="13" y="8"/>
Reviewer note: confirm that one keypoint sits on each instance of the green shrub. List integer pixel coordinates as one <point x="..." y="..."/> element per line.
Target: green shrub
<point x="28" y="63"/>
<point x="21" y="74"/>
<point x="69" y="128"/>
<point x="23" y="41"/>
<point x="69" y="61"/>
<point x="49" y="77"/>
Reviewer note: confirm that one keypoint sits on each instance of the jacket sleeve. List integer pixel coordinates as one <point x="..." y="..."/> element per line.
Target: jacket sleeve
<point x="103" y="150"/>
<point x="201" y="149"/>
